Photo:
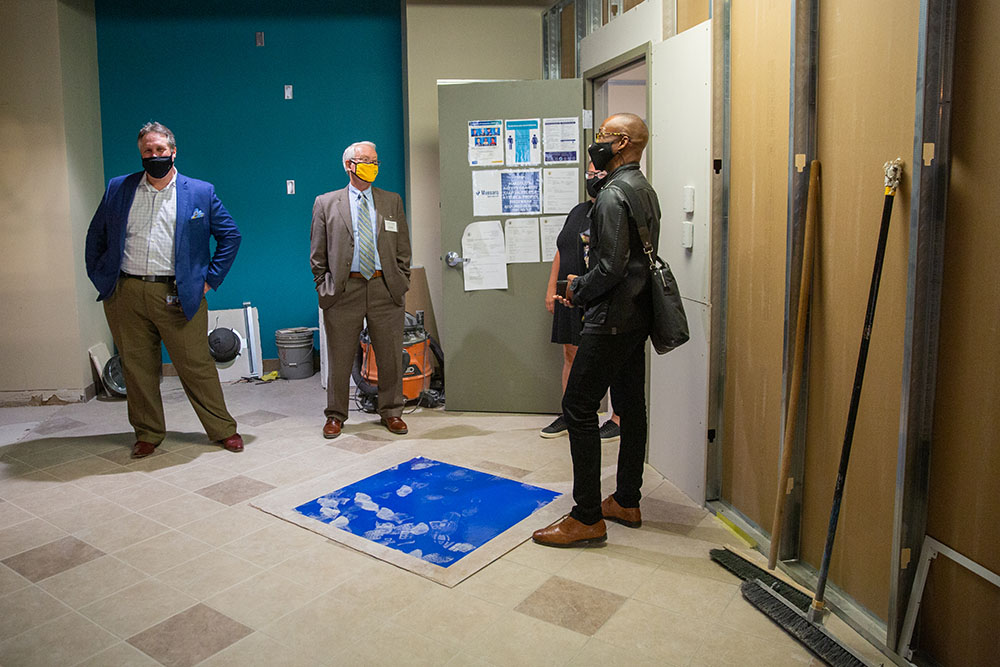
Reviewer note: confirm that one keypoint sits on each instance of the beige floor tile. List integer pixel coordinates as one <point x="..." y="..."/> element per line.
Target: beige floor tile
<point x="11" y="514"/>
<point x="121" y="532"/>
<point x="27" y="535"/>
<point x="53" y="499"/>
<point x="31" y="481"/>
<point x="285" y="472"/>
<point x="516" y="639"/>
<point x="259" y="650"/>
<point x="210" y="573"/>
<point x="84" y="467"/>
<point x="182" y="509"/>
<point x="596" y="653"/>
<point x="196" y="475"/>
<point x="235" y="490"/>
<point x="390" y="646"/>
<point x="78" y="639"/>
<point x="383" y="589"/>
<point x="187" y="638"/>
<point x="10" y="580"/>
<point x="145" y="494"/>
<point x="324" y="627"/>
<point x="742" y="616"/>
<point x="92" y="581"/>
<point x="121" y="654"/>
<point x="571" y="605"/>
<point x="111" y="482"/>
<point x="467" y="659"/>
<point x="86" y="515"/>
<point x="261" y="599"/>
<point x="504" y="583"/>
<point x="734" y="648"/>
<point x="159" y="465"/>
<point x="50" y="456"/>
<point x="250" y="459"/>
<point x="448" y="616"/>
<point x="702" y="566"/>
<point x="26" y="608"/>
<point x="323" y="567"/>
<point x="273" y="543"/>
<point x="137" y="607"/>
<point x="50" y="559"/>
<point x="614" y="572"/>
<point x="543" y="558"/>
<point x="228" y="525"/>
<point x="687" y="594"/>
<point x="162" y="552"/>
<point x="651" y="630"/>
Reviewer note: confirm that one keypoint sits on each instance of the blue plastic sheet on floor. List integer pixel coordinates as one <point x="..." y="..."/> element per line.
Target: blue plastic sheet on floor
<point x="431" y="510"/>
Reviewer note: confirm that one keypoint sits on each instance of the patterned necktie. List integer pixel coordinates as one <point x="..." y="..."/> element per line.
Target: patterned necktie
<point x="366" y="239"/>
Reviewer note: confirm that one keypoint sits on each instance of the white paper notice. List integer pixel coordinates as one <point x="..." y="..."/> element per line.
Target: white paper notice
<point x="486" y="192"/>
<point x="551" y="226"/>
<point x="524" y="142"/>
<point x="521" y="237"/>
<point x="562" y="140"/>
<point x="483" y="247"/>
<point x="485" y="143"/>
<point x="562" y="189"/>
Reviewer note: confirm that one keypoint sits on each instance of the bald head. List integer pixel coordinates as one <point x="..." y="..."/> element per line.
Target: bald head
<point x="631" y="126"/>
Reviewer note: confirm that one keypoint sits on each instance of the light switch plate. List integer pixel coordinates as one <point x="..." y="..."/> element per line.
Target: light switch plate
<point x="290" y="187"/>
<point x="288" y="92"/>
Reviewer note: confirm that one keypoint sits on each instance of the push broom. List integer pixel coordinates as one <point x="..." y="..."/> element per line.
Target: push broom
<point x="806" y="627"/>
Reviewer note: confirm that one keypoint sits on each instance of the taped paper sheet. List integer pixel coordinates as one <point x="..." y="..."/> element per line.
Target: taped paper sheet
<point x="551" y="225"/>
<point x="562" y="189"/>
<point x="561" y="138"/>
<point x="521" y="239"/>
<point x="485" y="143"/>
<point x="523" y="142"/>
<point x="485" y="193"/>
<point x="483" y="248"/>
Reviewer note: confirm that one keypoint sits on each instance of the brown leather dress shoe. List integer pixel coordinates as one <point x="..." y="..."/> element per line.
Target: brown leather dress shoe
<point x="626" y="516"/>
<point x="332" y="428"/>
<point x="141" y="449"/>
<point x="571" y="533"/>
<point x="395" y="425"/>
<point x="233" y="443"/>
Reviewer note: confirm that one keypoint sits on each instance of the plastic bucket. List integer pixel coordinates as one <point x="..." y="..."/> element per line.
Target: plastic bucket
<point x="295" y="352"/>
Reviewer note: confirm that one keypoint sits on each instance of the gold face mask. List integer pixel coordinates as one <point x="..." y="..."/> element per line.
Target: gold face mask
<point x="366" y="171"/>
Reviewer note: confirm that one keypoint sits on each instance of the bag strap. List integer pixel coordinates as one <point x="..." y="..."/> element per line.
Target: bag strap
<point x="640" y="221"/>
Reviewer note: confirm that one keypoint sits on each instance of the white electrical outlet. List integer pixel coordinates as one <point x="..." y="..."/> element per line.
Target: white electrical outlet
<point x="290" y="187"/>
<point x="288" y="92"/>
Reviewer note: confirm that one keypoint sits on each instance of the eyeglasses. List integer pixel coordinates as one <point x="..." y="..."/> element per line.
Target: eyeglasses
<point x="374" y="162"/>
<point x="596" y="174"/>
<point x="602" y="133"/>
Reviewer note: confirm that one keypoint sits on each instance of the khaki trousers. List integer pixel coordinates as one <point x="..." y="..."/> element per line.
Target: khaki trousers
<point x="343" y="321"/>
<point x="140" y="318"/>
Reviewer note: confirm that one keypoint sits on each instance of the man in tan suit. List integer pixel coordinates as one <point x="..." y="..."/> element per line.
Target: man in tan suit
<point x="360" y="257"/>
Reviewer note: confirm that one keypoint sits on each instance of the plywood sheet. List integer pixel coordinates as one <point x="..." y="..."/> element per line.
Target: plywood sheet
<point x="865" y="117"/>
<point x="759" y="184"/>
<point x="965" y="460"/>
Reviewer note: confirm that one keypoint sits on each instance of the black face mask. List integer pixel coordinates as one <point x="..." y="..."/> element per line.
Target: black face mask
<point x="158" y="167"/>
<point x="601" y="154"/>
<point x="595" y="184"/>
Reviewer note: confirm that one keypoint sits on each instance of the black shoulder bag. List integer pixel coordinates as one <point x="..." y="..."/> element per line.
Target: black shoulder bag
<point x="670" y="326"/>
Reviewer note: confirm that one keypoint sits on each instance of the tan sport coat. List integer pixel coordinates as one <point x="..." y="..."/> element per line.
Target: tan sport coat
<point x="332" y="244"/>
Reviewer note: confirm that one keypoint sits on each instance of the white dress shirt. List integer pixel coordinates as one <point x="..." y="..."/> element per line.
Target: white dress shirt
<point x="149" y="236"/>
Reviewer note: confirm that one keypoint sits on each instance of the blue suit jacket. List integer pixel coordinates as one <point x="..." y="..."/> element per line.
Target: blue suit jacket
<point x="200" y="215"/>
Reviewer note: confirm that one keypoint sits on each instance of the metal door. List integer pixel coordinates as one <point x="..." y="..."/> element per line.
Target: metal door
<point x="496" y="343"/>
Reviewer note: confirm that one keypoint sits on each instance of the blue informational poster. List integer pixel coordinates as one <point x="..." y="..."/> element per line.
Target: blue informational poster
<point x="524" y="142"/>
<point x="434" y="511"/>
<point x="521" y="191"/>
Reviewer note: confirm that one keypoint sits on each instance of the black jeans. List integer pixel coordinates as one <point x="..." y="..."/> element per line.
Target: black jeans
<point x="617" y="361"/>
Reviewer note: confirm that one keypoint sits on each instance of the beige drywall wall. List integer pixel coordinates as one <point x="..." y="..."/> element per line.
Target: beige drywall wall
<point x="49" y="86"/>
<point x="450" y="42"/>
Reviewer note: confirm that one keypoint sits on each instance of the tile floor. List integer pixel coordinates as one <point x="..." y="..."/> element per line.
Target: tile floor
<point x="108" y="561"/>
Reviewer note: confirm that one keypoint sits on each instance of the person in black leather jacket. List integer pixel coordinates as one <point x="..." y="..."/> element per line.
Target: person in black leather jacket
<point x="616" y="298"/>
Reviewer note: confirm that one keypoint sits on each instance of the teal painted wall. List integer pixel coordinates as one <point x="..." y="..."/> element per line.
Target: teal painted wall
<point x="194" y="66"/>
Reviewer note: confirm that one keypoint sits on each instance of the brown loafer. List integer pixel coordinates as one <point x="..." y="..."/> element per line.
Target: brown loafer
<point x="626" y="516"/>
<point x="141" y="449"/>
<point x="233" y="443"/>
<point x="395" y="425"/>
<point x="332" y="428"/>
<point x="571" y="533"/>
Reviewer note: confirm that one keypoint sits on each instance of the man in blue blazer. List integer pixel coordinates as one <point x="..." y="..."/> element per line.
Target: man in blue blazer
<point x="148" y="254"/>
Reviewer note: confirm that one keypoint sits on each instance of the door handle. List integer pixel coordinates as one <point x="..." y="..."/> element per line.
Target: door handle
<point x="453" y="259"/>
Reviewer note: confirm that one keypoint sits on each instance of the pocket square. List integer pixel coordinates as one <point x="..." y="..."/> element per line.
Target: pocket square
<point x="198" y="213"/>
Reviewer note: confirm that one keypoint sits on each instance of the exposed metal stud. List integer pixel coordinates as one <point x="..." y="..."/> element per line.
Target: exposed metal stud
<point x="928" y="212"/>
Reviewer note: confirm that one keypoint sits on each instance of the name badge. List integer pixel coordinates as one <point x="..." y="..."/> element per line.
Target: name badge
<point x="390" y="225"/>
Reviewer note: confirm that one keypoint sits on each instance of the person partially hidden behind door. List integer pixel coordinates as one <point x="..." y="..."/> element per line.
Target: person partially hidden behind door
<point x="616" y="298"/>
<point x="571" y="258"/>
<point x="148" y="254"/>
<point x="360" y="258"/>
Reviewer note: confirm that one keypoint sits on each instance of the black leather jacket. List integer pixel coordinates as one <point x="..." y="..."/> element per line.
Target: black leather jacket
<point x="615" y="291"/>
